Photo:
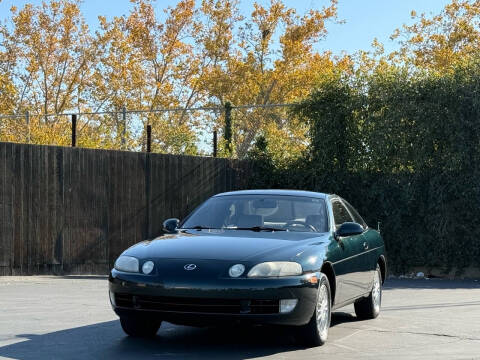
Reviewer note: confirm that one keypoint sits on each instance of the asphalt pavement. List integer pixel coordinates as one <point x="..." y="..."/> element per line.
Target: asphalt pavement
<point x="45" y="317"/>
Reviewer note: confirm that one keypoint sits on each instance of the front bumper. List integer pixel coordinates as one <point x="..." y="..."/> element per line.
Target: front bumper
<point x="218" y="301"/>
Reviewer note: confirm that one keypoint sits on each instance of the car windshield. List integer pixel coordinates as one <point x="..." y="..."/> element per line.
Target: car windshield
<point x="260" y="213"/>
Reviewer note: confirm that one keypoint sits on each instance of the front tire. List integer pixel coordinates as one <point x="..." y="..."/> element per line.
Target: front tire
<point x="315" y="333"/>
<point x="369" y="307"/>
<point x="140" y="327"/>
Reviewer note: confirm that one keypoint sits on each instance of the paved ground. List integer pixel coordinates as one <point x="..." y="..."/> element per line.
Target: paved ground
<point x="70" y="318"/>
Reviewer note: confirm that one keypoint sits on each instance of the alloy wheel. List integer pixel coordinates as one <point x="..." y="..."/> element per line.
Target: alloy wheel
<point x="323" y="311"/>
<point x="377" y="291"/>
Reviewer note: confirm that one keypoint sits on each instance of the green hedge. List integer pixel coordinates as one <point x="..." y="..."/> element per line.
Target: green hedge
<point x="404" y="150"/>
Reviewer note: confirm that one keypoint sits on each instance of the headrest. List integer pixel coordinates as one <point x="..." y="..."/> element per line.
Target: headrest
<point x="250" y="220"/>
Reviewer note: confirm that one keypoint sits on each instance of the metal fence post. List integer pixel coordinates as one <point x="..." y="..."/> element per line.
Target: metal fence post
<point x="74" y="130"/>
<point x="214" y="143"/>
<point x="228" y="133"/>
<point x="124" y="118"/>
<point x="27" y="119"/>
<point x="149" y="138"/>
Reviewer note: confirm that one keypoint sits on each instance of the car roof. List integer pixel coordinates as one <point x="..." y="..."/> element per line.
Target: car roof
<point x="276" y="192"/>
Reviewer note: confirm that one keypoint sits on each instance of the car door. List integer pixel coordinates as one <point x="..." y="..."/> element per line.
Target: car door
<point x="365" y="246"/>
<point x="344" y="255"/>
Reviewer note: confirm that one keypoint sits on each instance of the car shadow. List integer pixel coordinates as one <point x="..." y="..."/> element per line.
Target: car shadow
<point x="342" y="317"/>
<point x="107" y="340"/>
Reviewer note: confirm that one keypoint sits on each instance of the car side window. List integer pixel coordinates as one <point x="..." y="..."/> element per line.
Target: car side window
<point x="340" y="213"/>
<point x="356" y="216"/>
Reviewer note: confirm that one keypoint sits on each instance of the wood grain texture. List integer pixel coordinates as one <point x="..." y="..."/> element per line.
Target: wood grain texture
<point x="73" y="211"/>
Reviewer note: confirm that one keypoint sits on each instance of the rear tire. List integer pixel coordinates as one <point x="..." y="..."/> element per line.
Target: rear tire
<point x="315" y="333"/>
<point x="140" y="327"/>
<point x="369" y="307"/>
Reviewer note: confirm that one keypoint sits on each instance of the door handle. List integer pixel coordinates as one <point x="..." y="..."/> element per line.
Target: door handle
<point x="365" y="245"/>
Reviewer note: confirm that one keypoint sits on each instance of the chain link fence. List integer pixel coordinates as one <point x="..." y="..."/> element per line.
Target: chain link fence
<point x="208" y="130"/>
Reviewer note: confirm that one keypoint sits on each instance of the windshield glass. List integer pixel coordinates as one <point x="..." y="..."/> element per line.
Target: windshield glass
<point x="260" y="212"/>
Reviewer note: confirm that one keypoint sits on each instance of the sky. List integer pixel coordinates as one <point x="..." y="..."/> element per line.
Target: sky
<point x="364" y="19"/>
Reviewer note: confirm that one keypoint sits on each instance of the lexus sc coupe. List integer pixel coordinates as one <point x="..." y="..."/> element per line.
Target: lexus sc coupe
<point x="258" y="256"/>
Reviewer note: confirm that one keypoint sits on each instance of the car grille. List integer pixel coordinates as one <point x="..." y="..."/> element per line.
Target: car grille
<point x="197" y="305"/>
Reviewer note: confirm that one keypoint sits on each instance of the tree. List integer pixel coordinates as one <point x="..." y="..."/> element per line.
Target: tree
<point x="55" y="48"/>
<point x="264" y="66"/>
<point x="334" y="112"/>
<point x="51" y="69"/>
<point x="441" y="41"/>
<point x="7" y="87"/>
<point x="147" y="65"/>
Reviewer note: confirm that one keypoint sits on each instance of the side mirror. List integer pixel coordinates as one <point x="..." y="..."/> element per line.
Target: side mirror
<point x="349" y="229"/>
<point x="170" y="225"/>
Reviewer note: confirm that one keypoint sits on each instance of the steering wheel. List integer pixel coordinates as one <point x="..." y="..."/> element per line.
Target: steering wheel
<point x="294" y="223"/>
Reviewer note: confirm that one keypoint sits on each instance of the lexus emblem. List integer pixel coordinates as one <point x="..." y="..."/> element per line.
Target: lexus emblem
<point x="190" y="267"/>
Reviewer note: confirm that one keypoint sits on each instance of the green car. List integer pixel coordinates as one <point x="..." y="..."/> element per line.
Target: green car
<point x="258" y="256"/>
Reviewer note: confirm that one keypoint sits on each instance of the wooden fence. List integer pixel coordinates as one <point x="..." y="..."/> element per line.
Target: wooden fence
<point x="73" y="211"/>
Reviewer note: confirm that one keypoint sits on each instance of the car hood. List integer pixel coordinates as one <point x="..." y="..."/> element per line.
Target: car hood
<point x="227" y="245"/>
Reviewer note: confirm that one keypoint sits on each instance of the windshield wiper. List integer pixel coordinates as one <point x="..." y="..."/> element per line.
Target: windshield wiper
<point x="253" y="228"/>
<point x="257" y="228"/>
<point x="200" y="227"/>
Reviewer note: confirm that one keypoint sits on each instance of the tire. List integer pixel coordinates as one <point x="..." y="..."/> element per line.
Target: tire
<point x="140" y="327"/>
<point x="315" y="333"/>
<point x="369" y="307"/>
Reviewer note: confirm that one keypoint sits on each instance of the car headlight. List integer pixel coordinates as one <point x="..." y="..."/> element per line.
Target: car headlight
<point x="127" y="264"/>
<point x="276" y="269"/>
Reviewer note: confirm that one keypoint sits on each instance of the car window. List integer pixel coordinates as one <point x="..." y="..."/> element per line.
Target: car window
<point x="356" y="216"/>
<point x="292" y="213"/>
<point x="340" y="213"/>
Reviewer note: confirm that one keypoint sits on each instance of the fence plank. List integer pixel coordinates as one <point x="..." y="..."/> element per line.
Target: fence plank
<point x="41" y="237"/>
<point x="158" y="193"/>
<point x="4" y="244"/>
<point x="58" y="213"/>
<point x="28" y="209"/>
<point x="18" y="245"/>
